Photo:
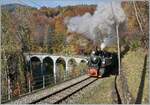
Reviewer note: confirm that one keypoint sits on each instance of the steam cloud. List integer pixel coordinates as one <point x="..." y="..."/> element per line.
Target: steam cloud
<point x="99" y="27"/>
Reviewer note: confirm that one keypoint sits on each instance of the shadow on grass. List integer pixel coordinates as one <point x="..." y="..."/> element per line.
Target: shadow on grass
<point x="117" y="92"/>
<point x="141" y="87"/>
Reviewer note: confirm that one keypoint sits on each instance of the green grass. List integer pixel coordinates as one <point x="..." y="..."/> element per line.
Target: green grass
<point x="133" y="63"/>
<point x="101" y="94"/>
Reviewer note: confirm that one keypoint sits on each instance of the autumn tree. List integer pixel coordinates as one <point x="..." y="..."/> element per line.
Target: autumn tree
<point x="138" y="15"/>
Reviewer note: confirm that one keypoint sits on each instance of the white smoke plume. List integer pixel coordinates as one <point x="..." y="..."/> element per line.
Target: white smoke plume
<point x="99" y="25"/>
<point x="108" y="41"/>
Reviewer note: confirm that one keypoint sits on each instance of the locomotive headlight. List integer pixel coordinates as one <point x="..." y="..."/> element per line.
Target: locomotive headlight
<point x="103" y="62"/>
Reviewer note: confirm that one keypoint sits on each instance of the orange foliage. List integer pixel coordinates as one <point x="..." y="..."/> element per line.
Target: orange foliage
<point x="59" y="25"/>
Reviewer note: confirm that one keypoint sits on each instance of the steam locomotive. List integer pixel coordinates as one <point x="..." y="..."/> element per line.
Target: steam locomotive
<point x="102" y="63"/>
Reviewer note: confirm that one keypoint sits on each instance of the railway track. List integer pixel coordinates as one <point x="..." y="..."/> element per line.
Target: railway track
<point x="64" y="93"/>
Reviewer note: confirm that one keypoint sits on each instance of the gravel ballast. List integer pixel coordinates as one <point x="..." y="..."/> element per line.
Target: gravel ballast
<point x="44" y="92"/>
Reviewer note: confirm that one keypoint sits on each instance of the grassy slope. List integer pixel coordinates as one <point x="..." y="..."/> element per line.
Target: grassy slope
<point x="101" y="94"/>
<point x="133" y="63"/>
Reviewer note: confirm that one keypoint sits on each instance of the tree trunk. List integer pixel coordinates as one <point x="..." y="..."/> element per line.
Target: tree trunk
<point x="136" y="14"/>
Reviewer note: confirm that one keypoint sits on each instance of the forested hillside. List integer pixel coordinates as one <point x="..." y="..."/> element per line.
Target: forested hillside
<point x="41" y="30"/>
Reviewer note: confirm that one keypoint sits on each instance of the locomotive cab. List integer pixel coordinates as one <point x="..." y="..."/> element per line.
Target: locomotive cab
<point x="106" y="61"/>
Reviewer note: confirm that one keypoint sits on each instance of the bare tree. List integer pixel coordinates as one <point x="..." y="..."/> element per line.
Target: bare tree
<point x="137" y="17"/>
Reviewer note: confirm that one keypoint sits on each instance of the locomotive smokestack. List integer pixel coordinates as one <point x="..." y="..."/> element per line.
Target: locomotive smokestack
<point x="103" y="46"/>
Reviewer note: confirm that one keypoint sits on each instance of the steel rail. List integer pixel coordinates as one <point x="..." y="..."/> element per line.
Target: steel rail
<point x="63" y="90"/>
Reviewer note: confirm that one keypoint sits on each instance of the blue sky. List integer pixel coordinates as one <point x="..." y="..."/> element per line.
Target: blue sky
<point x="52" y="3"/>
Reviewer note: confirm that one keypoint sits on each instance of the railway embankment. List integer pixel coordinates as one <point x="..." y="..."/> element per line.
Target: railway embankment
<point x="101" y="92"/>
<point x="132" y="83"/>
<point x="37" y="95"/>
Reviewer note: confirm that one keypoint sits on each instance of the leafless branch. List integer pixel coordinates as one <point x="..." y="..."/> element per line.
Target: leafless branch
<point x="136" y="14"/>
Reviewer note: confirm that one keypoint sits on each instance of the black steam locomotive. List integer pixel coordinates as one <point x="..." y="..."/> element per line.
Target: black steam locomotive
<point x="102" y="63"/>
